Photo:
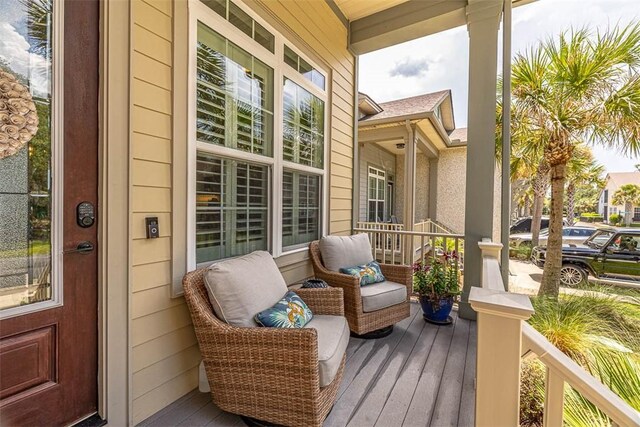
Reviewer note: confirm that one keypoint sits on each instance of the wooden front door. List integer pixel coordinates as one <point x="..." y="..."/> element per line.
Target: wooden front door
<point x="48" y="236"/>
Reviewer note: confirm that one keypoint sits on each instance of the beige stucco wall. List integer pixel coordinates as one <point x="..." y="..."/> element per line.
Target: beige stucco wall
<point x="452" y="173"/>
<point x="372" y="155"/>
<point x="422" y="187"/>
<point x="163" y="348"/>
<point x="399" y="208"/>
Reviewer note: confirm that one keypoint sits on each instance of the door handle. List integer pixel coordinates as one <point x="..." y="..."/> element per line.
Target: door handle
<point x="82" y="248"/>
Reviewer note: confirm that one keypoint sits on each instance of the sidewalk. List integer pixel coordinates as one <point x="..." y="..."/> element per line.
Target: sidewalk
<point x="525" y="277"/>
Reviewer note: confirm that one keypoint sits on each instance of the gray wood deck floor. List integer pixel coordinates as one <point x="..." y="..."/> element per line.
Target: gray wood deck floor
<point x="420" y="375"/>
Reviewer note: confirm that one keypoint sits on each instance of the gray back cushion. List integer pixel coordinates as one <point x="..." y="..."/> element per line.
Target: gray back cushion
<point x="241" y="287"/>
<point x="345" y="251"/>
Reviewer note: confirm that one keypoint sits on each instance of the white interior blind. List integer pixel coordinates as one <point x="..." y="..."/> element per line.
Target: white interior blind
<point x="232" y="207"/>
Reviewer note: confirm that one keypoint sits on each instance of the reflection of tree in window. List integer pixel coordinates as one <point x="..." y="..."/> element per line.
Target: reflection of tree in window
<point x="303" y="130"/>
<point x="234" y="96"/>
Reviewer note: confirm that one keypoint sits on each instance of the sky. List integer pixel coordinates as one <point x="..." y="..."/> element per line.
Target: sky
<point x="440" y="61"/>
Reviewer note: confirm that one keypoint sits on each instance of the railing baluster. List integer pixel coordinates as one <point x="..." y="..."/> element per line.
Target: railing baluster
<point x="422" y="248"/>
<point x="384" y="251"/>
<point x="553" y="399"/>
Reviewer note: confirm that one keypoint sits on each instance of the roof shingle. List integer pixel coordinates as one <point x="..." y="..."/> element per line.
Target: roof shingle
<point x="407" y="106"/>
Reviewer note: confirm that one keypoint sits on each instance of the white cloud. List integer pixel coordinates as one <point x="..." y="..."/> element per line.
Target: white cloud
<point x="447" y="54"/>
<point x="410" y="67"/>
<point x="14" y="49"/>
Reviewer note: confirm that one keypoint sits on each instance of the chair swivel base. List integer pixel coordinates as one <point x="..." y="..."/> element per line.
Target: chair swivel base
<point x="252" y="422"/>
<point x="378" y="333"/>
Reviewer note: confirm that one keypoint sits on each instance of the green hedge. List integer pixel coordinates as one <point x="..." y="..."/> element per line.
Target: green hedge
<point x="591" y="217"/>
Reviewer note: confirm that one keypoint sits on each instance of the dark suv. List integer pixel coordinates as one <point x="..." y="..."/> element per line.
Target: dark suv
<point x="609" y="252"/>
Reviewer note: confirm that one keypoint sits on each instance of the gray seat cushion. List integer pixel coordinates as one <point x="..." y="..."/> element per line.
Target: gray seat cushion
<point x="333" y="338"/>
<point x="345" y="251"/>
<point x="382" y="295"/>
<point x="241" y="287"/>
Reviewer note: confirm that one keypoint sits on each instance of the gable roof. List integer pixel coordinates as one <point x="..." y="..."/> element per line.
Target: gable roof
<point x="407" y="106"/>
<point x="458" y="136"/>
<point x="621" y="178"/>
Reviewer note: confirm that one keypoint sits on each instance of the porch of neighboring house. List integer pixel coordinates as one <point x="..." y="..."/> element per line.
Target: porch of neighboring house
<point x="421" y="374"/>
<point x="402" y="183"/>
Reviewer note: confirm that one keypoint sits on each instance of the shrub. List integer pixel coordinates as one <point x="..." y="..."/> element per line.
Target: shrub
<point x="600" y="333"/>
<point x="615" y="219"/>
<point x="591" y="217"/>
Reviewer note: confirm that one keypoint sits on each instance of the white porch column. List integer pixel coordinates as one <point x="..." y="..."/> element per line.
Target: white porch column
<point x="483" y="19"/>
<point x="409" y="177"/>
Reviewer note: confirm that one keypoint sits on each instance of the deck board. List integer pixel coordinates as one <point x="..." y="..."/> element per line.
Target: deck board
<point x="420" y="375"/>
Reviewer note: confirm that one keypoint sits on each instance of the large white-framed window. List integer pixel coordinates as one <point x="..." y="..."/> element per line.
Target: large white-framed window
<point x="376" y="192"/>
<point x="257" y="137"/>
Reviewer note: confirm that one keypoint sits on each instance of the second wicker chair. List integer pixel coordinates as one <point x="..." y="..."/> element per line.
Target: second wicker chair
<point x="360" y="321"/>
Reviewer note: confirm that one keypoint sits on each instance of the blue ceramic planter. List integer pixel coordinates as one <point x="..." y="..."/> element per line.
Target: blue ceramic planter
<point x="437" y="311"/>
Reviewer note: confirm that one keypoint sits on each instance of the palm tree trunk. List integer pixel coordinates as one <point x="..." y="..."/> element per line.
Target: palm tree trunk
<point x="536" y="219"/>
<point x="628" y="207"/>
<point x="540" y="185"/>
<point x="550" y="285"/>
<point x="571" y="203"/>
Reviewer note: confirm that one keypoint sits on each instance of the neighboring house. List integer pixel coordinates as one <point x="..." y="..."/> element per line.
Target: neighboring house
<point x="613" y="181"/>
<point x="173" y="134"/>
<point x="439" y="161"/>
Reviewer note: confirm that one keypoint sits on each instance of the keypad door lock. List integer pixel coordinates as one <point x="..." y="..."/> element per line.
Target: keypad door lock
<point x="85" y="214"/>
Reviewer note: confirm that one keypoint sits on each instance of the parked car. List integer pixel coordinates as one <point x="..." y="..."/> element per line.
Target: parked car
<point x="573" y="234"/>
<point x="608" y="253"/>
<point x="523" y="225"/>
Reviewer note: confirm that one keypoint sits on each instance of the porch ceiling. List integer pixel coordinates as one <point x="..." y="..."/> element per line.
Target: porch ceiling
<point x="356" y="9"/>
<point x="376" y="24"/>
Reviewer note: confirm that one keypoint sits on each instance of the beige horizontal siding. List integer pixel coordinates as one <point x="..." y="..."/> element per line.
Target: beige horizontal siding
<point x="164" y="349"/>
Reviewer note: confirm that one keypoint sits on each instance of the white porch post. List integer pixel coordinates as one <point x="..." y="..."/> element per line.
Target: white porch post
<point x="409" y="177"/>
<point x="483" y="19"/>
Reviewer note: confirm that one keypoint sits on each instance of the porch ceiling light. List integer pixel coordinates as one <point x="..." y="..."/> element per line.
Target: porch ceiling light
<point x="18" y="117"/>
<point x="400" y="146"/>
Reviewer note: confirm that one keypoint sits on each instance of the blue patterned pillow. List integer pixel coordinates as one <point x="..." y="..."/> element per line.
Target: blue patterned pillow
<point x="368" y="273"/>
<point x="289" y="312"/>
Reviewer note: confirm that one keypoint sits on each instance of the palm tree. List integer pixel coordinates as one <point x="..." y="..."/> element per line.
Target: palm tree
<point x="527" y="163"/>
<point x="582" y="87"/>
<point x="582" y="171"/>
<point x="629" y="196"/>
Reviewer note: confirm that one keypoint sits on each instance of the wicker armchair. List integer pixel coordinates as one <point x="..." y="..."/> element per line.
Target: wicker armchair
<point x="360" y="322"/>
<point x="270" y="374"/>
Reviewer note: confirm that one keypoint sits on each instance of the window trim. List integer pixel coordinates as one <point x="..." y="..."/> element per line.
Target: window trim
<point x="378" y="177"/>
<point x="199" y="12"/>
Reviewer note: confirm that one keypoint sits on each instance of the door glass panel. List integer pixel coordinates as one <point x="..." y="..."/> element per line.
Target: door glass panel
<point x="25" y="153"/>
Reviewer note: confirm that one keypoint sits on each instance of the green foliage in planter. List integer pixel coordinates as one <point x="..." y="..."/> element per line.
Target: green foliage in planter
<point x="437" y="277"/>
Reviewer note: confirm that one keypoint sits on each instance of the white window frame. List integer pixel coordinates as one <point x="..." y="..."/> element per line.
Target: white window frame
<point x="378" y="177"/>
<point x="199" y="12"/>
<point x="57" y="172"/>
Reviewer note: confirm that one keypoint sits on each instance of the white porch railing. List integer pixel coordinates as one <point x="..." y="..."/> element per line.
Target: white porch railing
<point x="391" y="244"/>
<point x="504" y="338"/>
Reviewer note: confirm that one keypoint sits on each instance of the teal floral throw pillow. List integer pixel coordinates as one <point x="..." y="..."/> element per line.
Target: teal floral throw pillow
<point x="368" y="273"/>
<point x="289" y="312"/>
